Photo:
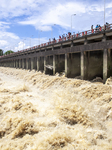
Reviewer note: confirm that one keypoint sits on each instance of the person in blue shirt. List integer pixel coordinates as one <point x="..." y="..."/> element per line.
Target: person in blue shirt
<point x="96" y="27"/>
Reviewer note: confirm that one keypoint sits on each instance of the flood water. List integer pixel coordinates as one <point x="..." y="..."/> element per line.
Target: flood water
<point x="42" y="112"/>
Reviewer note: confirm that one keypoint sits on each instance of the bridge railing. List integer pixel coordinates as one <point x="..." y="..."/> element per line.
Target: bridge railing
<point x="106" y="27"/>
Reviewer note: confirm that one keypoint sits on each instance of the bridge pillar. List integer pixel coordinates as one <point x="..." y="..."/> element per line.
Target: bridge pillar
<point x="54" y="64"/>
<point x="66" y="64"/>
<point x="44" y="64"/>
<point x="52" y="48"/>
<point x="10" y="63"/>
<point x="83" y="65"/>
<point x="13" y="63"/>
<point x="27" y="63"/>
<point x="35" y="63"/>
<point x="86" y="41"/>
<point x="3" y="64"/>
<point x="71" y="43"/>
<point x="109" y="62"/>
<point x="19" y="63"/>
<point x="105" y="64"/>
<point x="23" y="64"/>
<point x="16" y="64"/>
<point x="32" y="63"/>
<point x="38" y="63"/>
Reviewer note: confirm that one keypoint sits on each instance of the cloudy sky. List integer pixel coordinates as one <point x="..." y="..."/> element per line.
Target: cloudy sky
<point x="25" y="23"/>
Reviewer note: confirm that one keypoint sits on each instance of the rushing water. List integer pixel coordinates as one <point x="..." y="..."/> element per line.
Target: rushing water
<point x="41" y="112"/>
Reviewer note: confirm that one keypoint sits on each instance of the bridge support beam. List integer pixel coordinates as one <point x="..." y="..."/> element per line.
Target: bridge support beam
<point x="109" y="62"/>
<point x="10" y="64"/>
<point x="38" y="63"/>
<point x="49" y="65"/>
<point x="105" y="64"/>
<point x="23" y="64"/>
<point x="44" y="65"/>
<point x="4" y="64"/>
<point x="84" y="65"/>
<point x="27" y="64"/>
<point x="32" y="63"/>
<point x="14" y="63"/>
<point x="54" y="64"/>
<point x="19" y="63"/>
<point x="66" y="64"/>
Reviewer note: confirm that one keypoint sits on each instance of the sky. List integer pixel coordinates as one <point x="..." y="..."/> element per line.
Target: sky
<point x="26" y="23"/>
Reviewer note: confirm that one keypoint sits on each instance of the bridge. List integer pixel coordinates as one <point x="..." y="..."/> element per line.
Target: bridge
<point x="86" y="54"/>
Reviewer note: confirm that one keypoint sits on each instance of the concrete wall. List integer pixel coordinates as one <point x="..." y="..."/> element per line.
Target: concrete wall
<point x="60" y="63"/>
<point x="94" y="64"/>
<point x="109" y="71"/>
<point x="49" y="61"/>
<point x="74" y="65"/>
<point x="41" y="64"/>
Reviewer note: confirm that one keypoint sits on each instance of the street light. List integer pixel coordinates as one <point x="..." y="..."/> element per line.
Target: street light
<point x="52" y="32"/>
<point x="23" y="44"/>
<point x="30" y="40"/>
<point x="104" y="12"/>
<point x="39" y="36"/>
<point x="71" y="22"/>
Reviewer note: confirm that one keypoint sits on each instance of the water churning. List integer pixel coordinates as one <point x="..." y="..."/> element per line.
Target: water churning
<point x="42" y="112"/>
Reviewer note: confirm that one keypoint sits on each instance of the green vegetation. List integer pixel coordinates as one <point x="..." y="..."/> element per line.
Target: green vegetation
<point x="8" y="52"/>
<point x="1" y="52"/>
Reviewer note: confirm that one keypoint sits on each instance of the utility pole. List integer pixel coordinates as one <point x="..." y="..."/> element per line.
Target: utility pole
<point x="71" y="22"/>
<point x="104" y="12"/>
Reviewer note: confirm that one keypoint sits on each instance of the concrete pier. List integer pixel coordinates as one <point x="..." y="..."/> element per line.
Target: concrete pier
<point x="105" y="64"/>
<point x="37" y="63"/>
<point x="54" y="65"/>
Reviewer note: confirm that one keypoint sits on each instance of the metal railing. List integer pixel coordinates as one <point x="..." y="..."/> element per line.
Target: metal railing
<point x="67" y="38"/>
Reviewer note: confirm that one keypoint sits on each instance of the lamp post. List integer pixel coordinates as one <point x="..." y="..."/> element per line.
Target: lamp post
<point x="104" y="12"/>
<point x="23" y="44"/>
<point x="71" y="22"/>
<point x="52" y="32"/>
<point x="39" y="36"/>
<point x="18" y="46"/>
<point x="30" y="40"/>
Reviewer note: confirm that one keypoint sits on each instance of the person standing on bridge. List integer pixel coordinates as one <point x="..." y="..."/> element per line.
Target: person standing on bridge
<point x="97" y="27"/>
<point x="91" y="27"/>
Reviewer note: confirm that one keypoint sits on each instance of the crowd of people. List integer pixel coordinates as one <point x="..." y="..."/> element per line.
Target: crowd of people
<point x="68" y="36"/>
<point x="98" y="27"/>
<point x="63" y="37"/>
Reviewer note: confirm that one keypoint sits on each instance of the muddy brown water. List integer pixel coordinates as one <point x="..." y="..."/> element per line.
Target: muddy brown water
<point x="42" y="112"/>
